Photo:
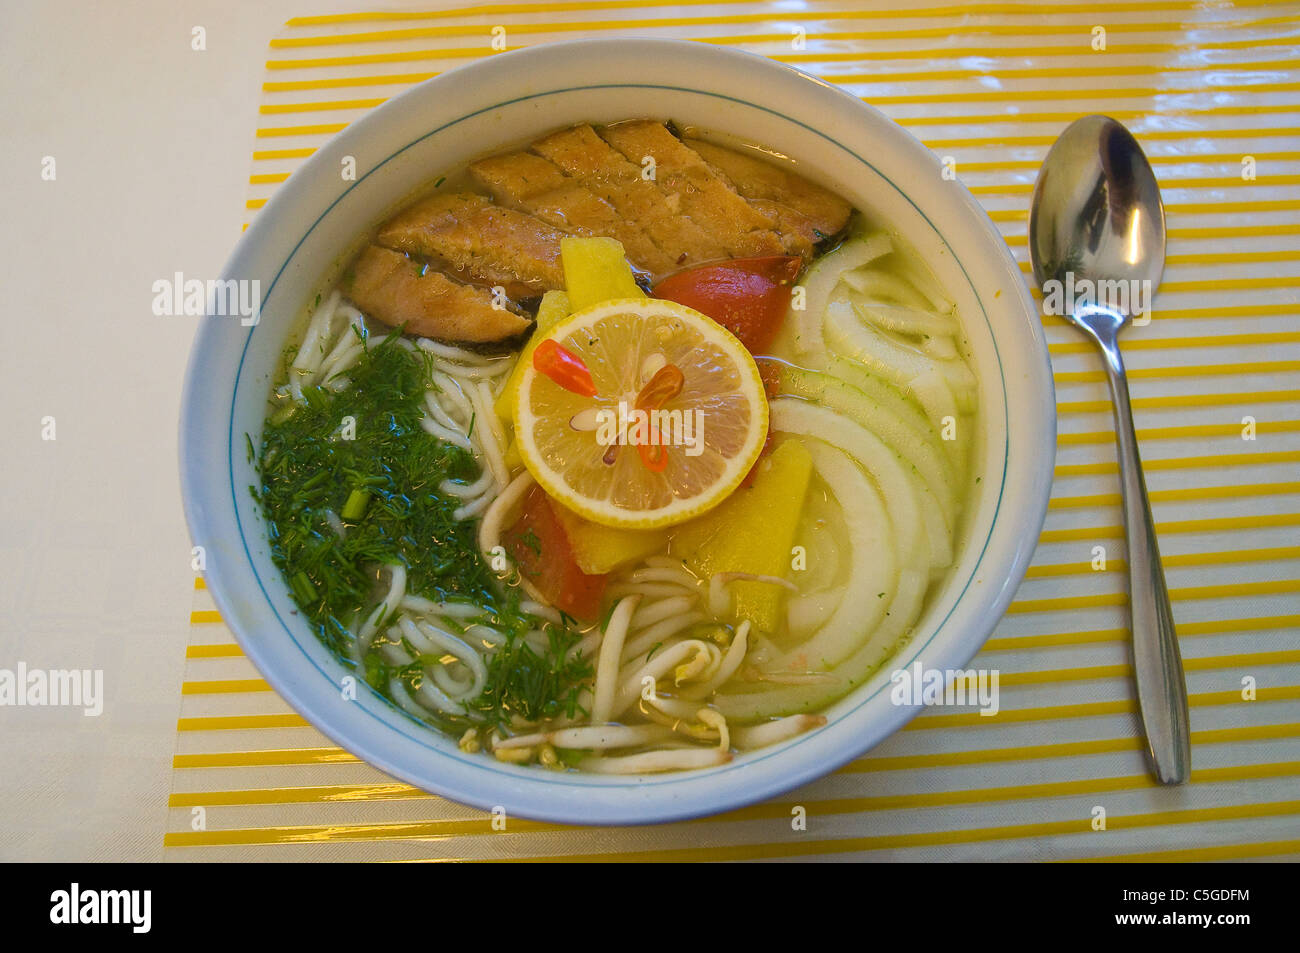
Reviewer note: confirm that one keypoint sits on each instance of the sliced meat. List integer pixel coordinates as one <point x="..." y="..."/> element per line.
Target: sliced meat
<point x="705" y="198"/>
<point x="606" y="173"/>
<point x="797" y="233"/>
<point x="481" y="243"/>
<point x="534" y="185"/>
<point x="388" y="286"/>
<point x="756" y="179"/>
<point x="518" y="176"/>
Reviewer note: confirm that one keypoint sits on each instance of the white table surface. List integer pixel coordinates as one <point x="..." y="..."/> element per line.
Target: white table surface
<point x="151" y="142"/>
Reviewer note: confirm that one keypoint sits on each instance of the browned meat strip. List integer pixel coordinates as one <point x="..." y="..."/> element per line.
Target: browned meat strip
<point x="481" y="242"/>
<point x="518" y="176"/>
<point x="606" y="173"/>
<point x="763" y="181"/>
<point x="536" y="186"/>
<point x="705" y="198"/>
<point x="392" y="288"/>
<point x="796" y="231"/>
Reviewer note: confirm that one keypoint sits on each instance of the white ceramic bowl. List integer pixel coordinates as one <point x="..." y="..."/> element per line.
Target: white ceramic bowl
<point x="316" y="217"/>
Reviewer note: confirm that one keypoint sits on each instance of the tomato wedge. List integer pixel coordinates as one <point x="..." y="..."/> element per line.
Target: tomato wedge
<point x="541" y="549"/>
<point x="747" y="296"/>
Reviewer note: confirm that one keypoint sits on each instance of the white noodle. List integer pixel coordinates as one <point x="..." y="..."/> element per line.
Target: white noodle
<point x="452" y="610"/>
<point x="344" y="344"/>
<point x="333" y="369"/>
<point x="773" y="732"/>
<point x="941" y="347"/>
<point x="630" y="684"/>
<point x="399" y="694"/>
<point x="592" y="737"/>
<point x="542" y="611"/>
<point x="590" y="642"/>
<point x="728" y="667"/>
<point x="489" y="636"/>
<point x="458" y="691"/>
<point x="652" y="762"/>
<point x="487" y="430"/>
<point x="654" y="612"/>
<point x="354" y="316"/>
<point x="473" y="508"/>
<point x="430" y="640"/>
<point x="700" y="666"/>
<point x="611" y="648"/>
<point x="496" y="445"/>
<point x="648" y="637"/>
<point x="716" y="721"/>
<point x="489" y="531"/>
<point x="396" y="591"/>
<point x="316" y="339"/>
<point x="468" y="374"/>
<point x="451" y="390"/>
<point x="881" y="285"/>
<point x="442" y="433"/>
<point x="451" y="352"/>
<point x="439" y="414"/>
<point x="434" y="697"/>
<point x="676" y="575"/>
<point x="674" y="708"/>
<point x="467" y="491"/>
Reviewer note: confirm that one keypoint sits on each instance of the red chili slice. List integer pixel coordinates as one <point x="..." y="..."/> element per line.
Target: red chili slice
<point x="564" y="367"/>
<point x="663" y="386"/>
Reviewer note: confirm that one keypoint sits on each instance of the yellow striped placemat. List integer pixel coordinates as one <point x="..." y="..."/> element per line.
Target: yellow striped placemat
<point x="1213" y="93"/>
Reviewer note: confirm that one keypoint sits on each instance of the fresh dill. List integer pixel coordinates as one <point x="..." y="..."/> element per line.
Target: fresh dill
<point x="378" y="481"/>
<point x="525" y="684"/>
<point x="381" y="482"/>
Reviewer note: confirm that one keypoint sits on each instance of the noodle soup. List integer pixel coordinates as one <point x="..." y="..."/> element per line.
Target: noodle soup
<point x="618" y="472"/>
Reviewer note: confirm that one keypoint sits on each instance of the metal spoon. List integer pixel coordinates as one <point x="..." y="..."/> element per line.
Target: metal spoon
<point x="1096" y="216"/>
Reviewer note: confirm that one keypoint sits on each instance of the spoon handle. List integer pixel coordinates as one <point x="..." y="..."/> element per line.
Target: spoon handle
<point x="1158" y="665"/>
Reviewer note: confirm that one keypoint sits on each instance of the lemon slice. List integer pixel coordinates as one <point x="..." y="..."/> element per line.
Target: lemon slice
<point x="584" y="450"/>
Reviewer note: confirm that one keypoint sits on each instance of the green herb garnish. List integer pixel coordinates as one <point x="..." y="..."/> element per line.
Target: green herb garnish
<point x="340" y="511"/>
<point x="384" y="483"/>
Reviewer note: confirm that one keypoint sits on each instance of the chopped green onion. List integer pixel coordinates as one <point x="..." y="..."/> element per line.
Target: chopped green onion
<point x="355" y="507"/>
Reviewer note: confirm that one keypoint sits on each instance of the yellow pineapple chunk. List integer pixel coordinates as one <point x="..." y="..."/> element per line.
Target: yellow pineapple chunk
<point x="753" y="531"/>
<point x="554" y="306"/>
<point x="596" y="270"/>
<point x="600" y="549"/>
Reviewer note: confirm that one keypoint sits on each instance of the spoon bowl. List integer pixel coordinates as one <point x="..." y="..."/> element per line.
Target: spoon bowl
<point x="1096" y="211"/>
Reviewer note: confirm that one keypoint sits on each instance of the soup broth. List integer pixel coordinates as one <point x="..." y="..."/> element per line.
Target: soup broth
<point x="594" y="469"/>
